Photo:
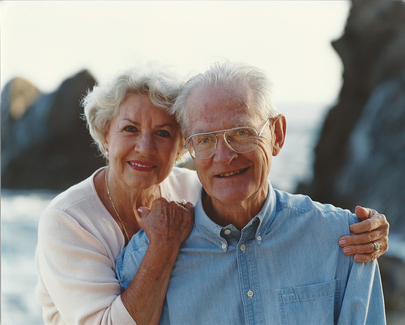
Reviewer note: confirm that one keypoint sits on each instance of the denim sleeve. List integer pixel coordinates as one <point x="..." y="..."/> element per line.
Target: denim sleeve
<point x="130" y="259"/>
<point x="363" y="301"/>
<point x="119" y="270"/>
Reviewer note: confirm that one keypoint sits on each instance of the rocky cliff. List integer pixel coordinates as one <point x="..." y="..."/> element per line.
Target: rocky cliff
<point x="44" y="140"/>
<point x="360" y="155"/>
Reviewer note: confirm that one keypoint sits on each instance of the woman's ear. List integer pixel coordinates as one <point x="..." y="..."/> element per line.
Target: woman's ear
<point x="105" y="144"/>
<point x="279" y="131"/>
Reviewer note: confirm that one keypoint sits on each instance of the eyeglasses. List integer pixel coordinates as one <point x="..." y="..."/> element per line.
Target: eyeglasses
<point x="241" y="140"/>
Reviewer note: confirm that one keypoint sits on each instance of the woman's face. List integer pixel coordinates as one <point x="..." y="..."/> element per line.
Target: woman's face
<point x="142" y="142"/>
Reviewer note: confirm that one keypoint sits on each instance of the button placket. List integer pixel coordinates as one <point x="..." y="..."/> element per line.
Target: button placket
<point x="248" y="280"/>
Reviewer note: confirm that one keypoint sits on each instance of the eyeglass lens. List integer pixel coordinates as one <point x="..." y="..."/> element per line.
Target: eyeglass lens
<point x="241" y="140"/>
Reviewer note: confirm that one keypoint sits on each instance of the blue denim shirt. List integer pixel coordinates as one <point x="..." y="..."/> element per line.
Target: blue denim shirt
<point x="284" y="267"/>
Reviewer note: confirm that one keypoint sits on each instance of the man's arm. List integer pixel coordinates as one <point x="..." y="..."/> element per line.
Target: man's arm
<point x="363" y="300"/>
<point x="373" y="228"/>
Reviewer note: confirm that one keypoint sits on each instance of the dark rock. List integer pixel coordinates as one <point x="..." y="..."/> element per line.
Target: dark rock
<point x="359" y="158"/>
<point x="393" y="278"/>
<point x="373" y="174"/>
<point x="360" y="155"/>
<point x="45" y="142"/>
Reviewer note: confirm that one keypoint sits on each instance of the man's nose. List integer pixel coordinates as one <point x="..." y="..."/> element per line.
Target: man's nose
<point x="224" y="154"/>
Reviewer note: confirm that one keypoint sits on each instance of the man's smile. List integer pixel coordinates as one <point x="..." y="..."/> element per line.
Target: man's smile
<point x="232" y="173"/>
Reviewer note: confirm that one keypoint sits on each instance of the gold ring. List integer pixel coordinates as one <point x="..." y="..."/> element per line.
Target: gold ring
<point x="182" y="202"/>
<point x="376" y="246"/>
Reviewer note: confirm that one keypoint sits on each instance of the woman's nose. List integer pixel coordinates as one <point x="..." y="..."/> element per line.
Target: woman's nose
<point x="145" y="144"/>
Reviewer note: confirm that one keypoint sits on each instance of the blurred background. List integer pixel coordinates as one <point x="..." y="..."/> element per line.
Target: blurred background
<point x="338" y="69"/>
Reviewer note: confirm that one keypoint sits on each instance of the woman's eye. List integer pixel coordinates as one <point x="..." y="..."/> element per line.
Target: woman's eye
<point x="163" y="133"/>
<point x="130" y="128"/>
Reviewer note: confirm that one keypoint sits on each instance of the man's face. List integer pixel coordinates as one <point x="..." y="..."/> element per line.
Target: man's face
<point x="229" y="177"/>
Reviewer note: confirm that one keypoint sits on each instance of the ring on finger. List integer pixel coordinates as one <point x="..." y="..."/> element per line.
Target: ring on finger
<point x="182" y="202"/>
<point x="376" y="246"/>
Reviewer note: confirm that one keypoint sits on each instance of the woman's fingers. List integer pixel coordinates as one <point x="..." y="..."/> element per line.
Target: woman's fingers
<point x="167" y="221"/>
<point x="370" y="220"/>
<point x="370" y="238"/>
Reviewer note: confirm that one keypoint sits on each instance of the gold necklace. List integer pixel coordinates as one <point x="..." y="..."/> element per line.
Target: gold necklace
<point x="113" y="205"/>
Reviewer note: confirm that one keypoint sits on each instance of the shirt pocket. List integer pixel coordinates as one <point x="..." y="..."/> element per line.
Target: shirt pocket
<point x="312" y="304"/>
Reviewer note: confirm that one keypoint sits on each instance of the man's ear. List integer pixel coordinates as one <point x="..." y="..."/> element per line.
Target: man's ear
<point x="178" y="155"/>
<point x="279" y="132"/>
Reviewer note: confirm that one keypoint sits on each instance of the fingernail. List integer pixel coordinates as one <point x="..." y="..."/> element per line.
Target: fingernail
<point x="346" y="250"/>
<point x="139" y="211"/>
<point x="342" y="242"/>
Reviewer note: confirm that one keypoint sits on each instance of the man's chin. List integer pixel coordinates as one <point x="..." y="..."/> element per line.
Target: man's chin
<point x="231" y="196"/>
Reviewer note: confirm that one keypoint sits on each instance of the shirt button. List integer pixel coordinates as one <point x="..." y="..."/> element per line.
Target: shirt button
<point x="223" y="246"/>
<point x="242" y="247"/>
<point x="227" y="232"/>
<point x="250" y="293"/>
<point x="259" y="238"/>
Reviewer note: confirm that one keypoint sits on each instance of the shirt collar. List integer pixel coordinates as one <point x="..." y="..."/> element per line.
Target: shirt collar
<point x="212" y="231"/>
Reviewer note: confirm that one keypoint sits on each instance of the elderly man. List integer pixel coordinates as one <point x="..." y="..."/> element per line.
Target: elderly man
<point x="255" y="255"/>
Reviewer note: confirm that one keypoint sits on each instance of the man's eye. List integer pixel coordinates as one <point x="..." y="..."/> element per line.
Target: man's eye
<point x="203" y="140"/>
<point x="163" y="133"/>
<point x="242" y="133"/>
<point x="130" y="128"/>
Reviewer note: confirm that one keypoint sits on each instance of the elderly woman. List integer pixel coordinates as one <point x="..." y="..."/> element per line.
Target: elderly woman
<point x="85" y="228"/>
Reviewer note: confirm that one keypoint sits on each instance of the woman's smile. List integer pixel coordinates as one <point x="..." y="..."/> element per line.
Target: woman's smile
<point x="141" y="166"/>
<point x="144" y="138"/>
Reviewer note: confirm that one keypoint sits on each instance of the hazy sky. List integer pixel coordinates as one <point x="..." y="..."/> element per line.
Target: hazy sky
<point x="48" y="41"/>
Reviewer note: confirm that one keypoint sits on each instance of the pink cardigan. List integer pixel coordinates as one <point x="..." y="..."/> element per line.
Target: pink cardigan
<point x="78" y="243"/>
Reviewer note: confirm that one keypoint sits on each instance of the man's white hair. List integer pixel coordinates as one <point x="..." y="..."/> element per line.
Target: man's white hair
<point x="227" y="73"/>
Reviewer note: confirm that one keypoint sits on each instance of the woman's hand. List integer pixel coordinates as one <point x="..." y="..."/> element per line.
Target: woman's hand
<point x="373" y="228"/>
<point x="167" y="223"/>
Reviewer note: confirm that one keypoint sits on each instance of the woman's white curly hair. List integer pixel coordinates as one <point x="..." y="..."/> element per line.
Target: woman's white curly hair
<point x="101" y="104"/>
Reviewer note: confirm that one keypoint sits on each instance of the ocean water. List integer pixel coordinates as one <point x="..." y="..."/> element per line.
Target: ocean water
<point x="21" y="210"/>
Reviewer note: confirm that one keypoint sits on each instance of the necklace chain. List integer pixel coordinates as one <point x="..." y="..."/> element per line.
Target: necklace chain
<point x="113" y="205"/>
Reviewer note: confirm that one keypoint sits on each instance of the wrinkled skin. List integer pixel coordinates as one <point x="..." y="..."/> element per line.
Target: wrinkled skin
<point x="373" y="228"/>
<point x="167" y="225"/>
